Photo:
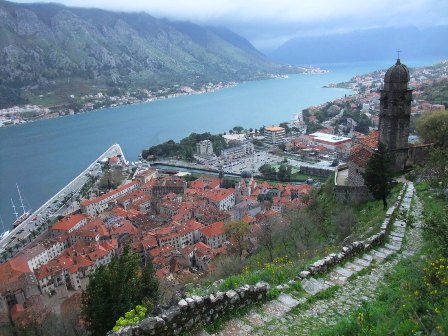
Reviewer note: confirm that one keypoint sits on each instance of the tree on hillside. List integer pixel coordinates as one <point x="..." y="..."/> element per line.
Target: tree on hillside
<point x="378" y="174"/>
<point x="115" y="289"/>
<point x="284" y="173"/>
<point x="285" y="125"/>
<point x="433" y="128"/>
<point x="267" y="233"/>
<point x="238" y="129"/>
<point x="238" y="231"/>
<point x="267" y="171"/>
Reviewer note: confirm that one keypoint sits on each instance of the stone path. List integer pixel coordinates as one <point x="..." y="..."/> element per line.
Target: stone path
<point x="278" y="317"/>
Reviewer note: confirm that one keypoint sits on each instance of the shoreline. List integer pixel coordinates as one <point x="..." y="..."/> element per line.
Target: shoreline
<point x="209" y="88"/>
<point x="37" y="217"/>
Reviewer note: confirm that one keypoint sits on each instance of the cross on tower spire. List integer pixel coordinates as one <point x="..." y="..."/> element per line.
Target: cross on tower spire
<point x="398" y="53"/>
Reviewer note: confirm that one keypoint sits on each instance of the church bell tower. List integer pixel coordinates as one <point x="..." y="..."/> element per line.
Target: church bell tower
<point x="395" y="113"/>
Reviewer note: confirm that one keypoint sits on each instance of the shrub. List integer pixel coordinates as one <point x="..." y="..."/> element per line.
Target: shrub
<point x="133" y="316"/>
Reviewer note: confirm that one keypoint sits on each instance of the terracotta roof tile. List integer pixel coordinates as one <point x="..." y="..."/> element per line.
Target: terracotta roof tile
<point x="213" y="230"/>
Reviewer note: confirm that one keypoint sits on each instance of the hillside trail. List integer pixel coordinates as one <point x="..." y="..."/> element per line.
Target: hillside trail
<point x="356" y="282"/>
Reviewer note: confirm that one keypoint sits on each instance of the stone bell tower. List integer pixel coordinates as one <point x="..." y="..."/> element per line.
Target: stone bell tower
<point x="395" y="113"/>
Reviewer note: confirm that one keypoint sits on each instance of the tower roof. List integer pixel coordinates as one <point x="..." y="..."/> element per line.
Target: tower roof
<point x="398" y="73"/>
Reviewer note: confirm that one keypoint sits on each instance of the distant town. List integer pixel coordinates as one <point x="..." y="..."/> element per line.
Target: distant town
<point x="112" y="98"/>
<point x="172" y="209"/>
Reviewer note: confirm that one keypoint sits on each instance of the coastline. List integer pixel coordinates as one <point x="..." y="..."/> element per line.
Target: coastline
<point x="130" y="100"/>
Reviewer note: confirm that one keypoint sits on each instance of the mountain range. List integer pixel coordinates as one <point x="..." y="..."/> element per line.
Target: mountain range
<point x="54" y="50"/>
<point x="365" y="45"/>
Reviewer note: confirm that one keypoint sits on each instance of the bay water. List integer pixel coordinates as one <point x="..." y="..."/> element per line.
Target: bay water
<point x="43" y="156"/>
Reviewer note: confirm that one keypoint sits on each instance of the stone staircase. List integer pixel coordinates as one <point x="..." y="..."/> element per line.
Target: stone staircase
<point x="274" y="317"/>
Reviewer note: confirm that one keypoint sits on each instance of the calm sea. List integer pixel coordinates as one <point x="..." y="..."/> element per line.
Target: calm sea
<point x="45" y="155"/>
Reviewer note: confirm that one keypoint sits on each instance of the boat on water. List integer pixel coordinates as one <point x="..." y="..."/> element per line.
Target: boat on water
<point x="19" y="219"/>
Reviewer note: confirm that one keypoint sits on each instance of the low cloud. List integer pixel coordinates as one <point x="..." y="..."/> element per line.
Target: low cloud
<point x="268" y="23"/>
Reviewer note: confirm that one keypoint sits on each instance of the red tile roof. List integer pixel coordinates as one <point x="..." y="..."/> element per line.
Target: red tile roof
<point x="360" y="155"/>
<point x="371" y="140"/>
<point x="109" y="194"/>
<point x="11" y="270"/>
<point x="68" y="222"/>
<point x="220" y="194"/>
<point x="213" y="230"/>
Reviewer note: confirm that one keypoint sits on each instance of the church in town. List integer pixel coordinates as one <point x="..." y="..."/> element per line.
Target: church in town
<point x="393" y="132"/>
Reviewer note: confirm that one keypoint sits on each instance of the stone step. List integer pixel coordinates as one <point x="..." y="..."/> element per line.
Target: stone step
<point x="255" y="319"/>
<point x="275" y="309"/>
<point x="337" y="278"/>
<point x="379" y="256"/>
<point x="386" y="251"/>
<point x="313" y="286"/>
<point x="367" y="257"/>
<point x="343" y="271"/>
<point x="354" y="267"/>
<point x="397" y="234"/>
<point x="394" y="247"/>
<point x="400" y="223"/>
<point x="235" y="327"/>
<point x="395" y="239"/>
<point x="288" y="300"/>
<point x="362" y="262"/>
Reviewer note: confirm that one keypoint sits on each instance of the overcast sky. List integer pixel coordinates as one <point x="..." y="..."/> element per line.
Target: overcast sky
<point x="269" y="23"/>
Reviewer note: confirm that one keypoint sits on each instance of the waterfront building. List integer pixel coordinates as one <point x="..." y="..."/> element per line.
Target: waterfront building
<point x="98" y="205"/>
<point x="204" y="147"/>
<point x="69" y="224"/>
<point x="43" y="252"/>
<point x="238" y="151"/>
<point x="332" y="143"/>
<point x="275" y="135"/>
<point x="146" y="175"/>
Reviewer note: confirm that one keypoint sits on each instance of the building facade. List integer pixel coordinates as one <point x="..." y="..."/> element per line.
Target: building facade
<point x="204" y="147"/>
<point x="275" y="135"/>
<point x="238" y="151"/>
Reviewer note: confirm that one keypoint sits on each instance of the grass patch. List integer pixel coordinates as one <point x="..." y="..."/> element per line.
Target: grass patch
<point x="414" y="297"/>
<point x="280" y="271"/>
<point x="370" y="215"/>
<point x="406" y="305"/>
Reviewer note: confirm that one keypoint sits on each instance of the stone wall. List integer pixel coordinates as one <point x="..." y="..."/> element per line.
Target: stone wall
<point x="315" y="171"/>
<point x="195" y="311"/>
<point x="355" y="174"/>
<point x="352" y="194"/>
<point x="200" y="310"/>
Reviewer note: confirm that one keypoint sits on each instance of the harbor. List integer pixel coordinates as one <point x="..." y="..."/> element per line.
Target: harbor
<point x="36" y="223"/>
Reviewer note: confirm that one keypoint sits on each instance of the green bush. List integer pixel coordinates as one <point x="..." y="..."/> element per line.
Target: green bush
<point x="133" y="316"/>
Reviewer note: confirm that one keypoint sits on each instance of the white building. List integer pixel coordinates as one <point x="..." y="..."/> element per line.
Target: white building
<point x="238" y="151"/>
<point x="224" y="199"/>
<point x="275" y="135"/>
<point x="214" y="235"/>
<point x="98" y="205"/>
<point x="205" y="147"/>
